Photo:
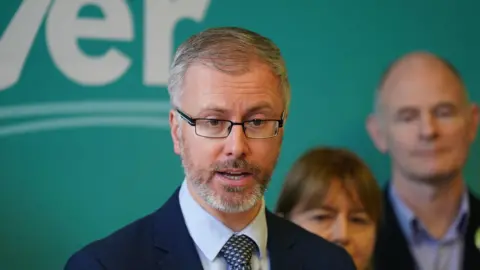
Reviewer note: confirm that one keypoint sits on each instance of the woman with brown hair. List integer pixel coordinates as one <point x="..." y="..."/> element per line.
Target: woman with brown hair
<point x="331" y="192"/>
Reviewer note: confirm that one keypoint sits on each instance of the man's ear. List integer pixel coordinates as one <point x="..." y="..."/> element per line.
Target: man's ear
<point x="285" y="118"/>
<point x="475" y="118"/>
<point x="376" y="133"/>
<point x="175" y="131"/>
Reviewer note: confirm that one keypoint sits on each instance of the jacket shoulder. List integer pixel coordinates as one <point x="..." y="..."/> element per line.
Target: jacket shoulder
<point x="312" y="250"/>
<point x="134" y="240"/>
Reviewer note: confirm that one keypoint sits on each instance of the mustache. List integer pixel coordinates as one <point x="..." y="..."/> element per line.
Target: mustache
<point x="237" y="164"/>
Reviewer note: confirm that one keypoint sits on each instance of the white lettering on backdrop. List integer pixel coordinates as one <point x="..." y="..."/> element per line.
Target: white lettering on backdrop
<point x="63" y="29"/>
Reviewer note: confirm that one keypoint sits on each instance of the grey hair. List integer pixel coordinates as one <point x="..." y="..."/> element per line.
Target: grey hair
<point x="230" y="50"/>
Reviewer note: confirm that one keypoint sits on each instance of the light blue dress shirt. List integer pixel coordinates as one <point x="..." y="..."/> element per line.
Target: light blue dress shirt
<point x="210" y="235"/>
<point x="430" y="253"/>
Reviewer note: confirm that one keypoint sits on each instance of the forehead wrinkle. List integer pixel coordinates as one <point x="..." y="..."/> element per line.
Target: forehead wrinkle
<point x="269" y="81"/>
<point x="228" y="92"/>
<point x="258" y="107"/>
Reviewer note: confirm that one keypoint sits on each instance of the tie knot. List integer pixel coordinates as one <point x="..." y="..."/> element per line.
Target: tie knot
<point x="238" y="251"/>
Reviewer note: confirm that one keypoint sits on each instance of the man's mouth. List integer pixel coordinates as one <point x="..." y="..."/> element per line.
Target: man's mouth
<point x="234" y="175"/>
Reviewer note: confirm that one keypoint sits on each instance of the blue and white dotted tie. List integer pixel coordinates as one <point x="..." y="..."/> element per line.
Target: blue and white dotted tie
<point x="238" y="252"/>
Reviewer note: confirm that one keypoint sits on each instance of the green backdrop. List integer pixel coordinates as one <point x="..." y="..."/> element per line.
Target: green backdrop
<point x="84" y="141"/>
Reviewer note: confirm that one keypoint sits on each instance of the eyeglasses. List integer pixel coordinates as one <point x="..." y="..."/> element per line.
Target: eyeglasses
<point x="216" y="128"/>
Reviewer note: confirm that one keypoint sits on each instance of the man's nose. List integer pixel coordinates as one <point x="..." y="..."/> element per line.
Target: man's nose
<point x="428" y="127"/>
<point x="237" y="142"/>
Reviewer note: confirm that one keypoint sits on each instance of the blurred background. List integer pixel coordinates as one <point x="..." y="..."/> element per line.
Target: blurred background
<point x="84" y="138"/>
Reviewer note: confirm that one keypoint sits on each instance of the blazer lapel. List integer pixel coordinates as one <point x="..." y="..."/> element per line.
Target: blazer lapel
<point x="391" y="251"/>
<point x="471" y="259"/>
<point x="176" y="249"/>
<point x="280" y="246"/>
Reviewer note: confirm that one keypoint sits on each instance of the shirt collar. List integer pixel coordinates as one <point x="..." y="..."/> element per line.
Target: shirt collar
<point x="414" y="230"/>
<point x="212" y="234"/>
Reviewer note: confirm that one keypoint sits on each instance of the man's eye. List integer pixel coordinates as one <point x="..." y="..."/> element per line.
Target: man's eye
<point x="213" y="122"/>
<point x="257" y="122"/>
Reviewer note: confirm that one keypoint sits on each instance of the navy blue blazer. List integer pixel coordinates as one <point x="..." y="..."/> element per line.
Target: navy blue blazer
<point x="392" y="251"/>
<point x="160" y="241"/>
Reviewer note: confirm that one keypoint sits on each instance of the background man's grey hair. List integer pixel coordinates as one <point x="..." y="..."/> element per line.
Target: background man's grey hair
<point x="231" y="50"/>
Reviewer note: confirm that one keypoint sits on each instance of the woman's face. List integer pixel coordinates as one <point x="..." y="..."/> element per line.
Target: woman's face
<point x="342" y="220"/>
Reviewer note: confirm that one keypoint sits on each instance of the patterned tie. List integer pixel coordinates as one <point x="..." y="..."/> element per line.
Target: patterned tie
<point x="238" y="252"/>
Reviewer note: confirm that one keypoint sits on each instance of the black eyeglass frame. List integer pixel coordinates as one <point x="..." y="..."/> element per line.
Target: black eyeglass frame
<point x="193" y="122"/>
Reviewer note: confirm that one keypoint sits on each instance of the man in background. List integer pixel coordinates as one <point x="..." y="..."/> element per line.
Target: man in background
<point x="230" y="95"/>
<point x="426" y="123"/>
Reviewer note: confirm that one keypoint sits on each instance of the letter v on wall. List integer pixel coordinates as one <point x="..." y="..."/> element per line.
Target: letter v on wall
<point x="18" y="38"/>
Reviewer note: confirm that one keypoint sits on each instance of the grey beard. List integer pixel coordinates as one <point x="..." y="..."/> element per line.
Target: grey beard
<point x="242" y="202"/>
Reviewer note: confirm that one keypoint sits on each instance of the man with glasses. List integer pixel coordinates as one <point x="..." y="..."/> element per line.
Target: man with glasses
<point x="230" y="97"/>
